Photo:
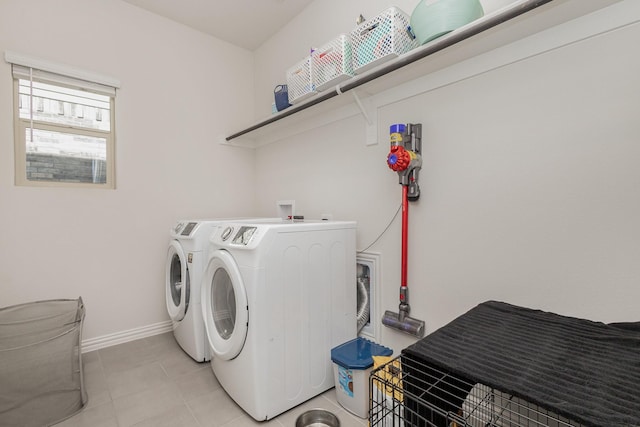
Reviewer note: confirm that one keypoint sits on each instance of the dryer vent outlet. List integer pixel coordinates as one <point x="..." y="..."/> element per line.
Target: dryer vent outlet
<point x="366" y="283"/>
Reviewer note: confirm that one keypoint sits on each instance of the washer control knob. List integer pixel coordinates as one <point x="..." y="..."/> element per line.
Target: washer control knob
<point x="226" y="233"/>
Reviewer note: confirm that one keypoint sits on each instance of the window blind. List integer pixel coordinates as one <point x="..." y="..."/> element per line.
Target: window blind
<point x="26" y="67"/>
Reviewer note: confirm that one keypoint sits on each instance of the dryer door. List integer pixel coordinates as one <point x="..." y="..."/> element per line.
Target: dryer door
<point x="224" y="306"/>
<point x="177" y="286"/>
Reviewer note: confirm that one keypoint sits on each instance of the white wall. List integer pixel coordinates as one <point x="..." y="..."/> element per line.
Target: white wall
<point x="180" y="91"/>
<point x="529" y="184"/>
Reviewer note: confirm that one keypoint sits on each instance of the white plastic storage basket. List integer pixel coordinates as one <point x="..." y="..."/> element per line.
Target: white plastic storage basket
<point x="300" y="81"/>
<point x="380" y="39"/>
<point x="332" y="63"/>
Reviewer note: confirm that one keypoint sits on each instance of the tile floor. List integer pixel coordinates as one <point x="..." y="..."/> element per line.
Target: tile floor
<point x="152" y="383"/>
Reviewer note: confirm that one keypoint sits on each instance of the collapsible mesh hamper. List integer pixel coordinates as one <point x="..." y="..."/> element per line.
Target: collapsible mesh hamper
<point x="41" y="379"/>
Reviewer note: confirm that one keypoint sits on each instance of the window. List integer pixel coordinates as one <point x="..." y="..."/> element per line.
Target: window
<point x="64" y="130"/>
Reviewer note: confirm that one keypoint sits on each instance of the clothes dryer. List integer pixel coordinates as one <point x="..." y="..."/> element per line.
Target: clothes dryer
<point x="276" y="298"/>
<point x="185" y="265"/>
<point x="186" y="261"/>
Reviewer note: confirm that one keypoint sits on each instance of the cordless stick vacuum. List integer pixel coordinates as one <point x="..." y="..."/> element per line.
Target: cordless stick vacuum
<point x="405" y="159"/>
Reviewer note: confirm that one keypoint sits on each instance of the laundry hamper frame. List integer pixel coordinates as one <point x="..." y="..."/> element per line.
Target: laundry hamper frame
<point x="41" y="373"/>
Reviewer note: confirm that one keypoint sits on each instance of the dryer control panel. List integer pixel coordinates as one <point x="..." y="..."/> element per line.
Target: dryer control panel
<point x="188" y="228"/>
<point x="237" y="235"/>
<point x="184" y="228"/>
<point x="244" y="235"/>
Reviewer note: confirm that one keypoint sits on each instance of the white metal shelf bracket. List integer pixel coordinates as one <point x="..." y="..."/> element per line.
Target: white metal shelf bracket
<point x="363" y="110"/>
<point x="370" y="115"/>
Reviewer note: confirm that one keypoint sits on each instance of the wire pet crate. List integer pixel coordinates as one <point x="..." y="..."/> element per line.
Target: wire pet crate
<point x="407" y="392"/>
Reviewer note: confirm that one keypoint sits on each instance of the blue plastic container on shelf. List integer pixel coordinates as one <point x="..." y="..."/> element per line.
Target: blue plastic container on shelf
<point x="352" y="364"/>
<point x="281" y="95"/>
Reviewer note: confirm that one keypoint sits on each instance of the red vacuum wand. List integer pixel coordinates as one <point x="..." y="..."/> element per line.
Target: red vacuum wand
<point x="405" y="159"/>
<point x="405" y="242"/>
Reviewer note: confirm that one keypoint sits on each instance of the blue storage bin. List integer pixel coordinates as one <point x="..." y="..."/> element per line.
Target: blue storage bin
<point x="281" y="96"/>
<point x="352" y="363"/>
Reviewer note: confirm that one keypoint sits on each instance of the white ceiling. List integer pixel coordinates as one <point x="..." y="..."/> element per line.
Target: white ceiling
<point x="244" y="23"/>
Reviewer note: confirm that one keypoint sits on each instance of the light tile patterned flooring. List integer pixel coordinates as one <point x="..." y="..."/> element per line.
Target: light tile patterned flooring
<point x="152" y="383"/>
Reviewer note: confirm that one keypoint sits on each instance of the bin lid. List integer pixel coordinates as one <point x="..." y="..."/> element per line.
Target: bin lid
<point x="356" y="354"/>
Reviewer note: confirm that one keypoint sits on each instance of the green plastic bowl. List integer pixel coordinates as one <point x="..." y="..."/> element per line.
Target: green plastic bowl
<point x="431" y="20"/>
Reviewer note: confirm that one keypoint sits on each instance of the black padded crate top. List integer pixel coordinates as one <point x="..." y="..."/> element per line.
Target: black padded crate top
<point x="586" y="371"/>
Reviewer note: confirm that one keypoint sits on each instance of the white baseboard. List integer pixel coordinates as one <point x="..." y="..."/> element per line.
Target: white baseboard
<point x="104" y="341"/>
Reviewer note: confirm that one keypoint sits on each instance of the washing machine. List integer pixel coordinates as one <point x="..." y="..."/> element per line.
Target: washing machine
<point x="276" y="298"/>
<point x="185" y="265"/>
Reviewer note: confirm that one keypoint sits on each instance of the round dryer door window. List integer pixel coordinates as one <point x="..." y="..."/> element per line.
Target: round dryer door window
<point x="177" y="286"/>
<point x="223" y="303"/>
<point x="224" y="306"/>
